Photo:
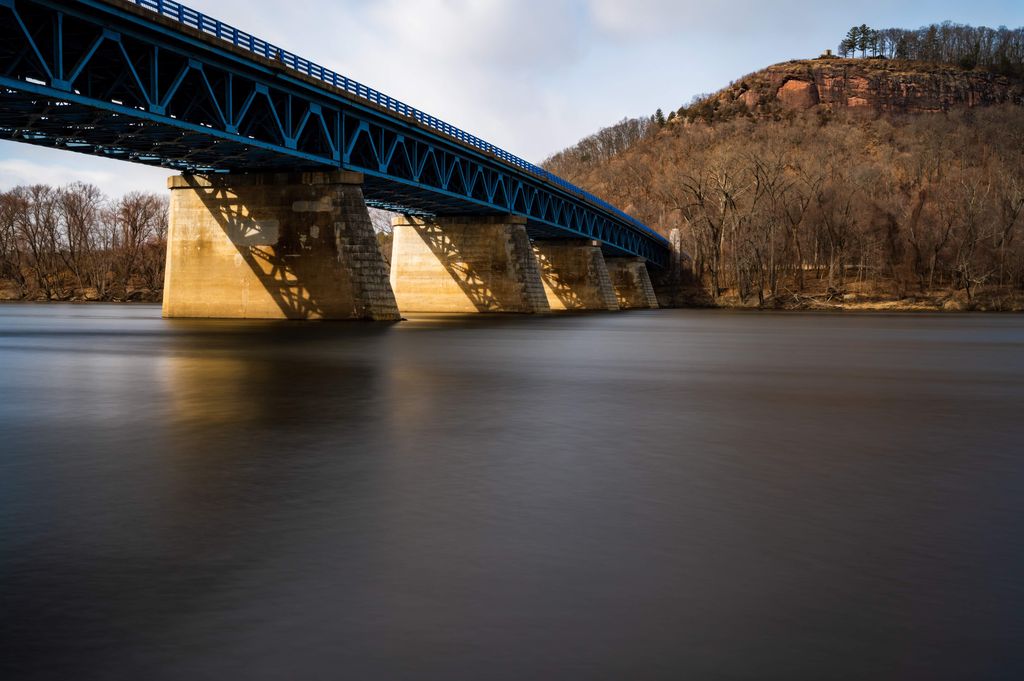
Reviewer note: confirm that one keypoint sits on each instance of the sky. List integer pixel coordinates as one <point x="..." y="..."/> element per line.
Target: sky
<point x="530" y="76"/>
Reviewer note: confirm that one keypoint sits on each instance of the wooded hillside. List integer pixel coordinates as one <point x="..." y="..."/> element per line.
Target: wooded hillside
<point x="819" y="204"/>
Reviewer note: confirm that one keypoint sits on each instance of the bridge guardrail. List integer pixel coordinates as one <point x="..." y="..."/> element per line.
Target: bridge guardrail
<point x="246" y="41"/>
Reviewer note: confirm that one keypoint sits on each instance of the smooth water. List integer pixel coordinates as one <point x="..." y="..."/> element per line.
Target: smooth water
<point x="646" y="495"/>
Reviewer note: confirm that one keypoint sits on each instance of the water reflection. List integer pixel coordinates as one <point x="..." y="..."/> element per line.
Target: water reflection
<point x="641" y="495"/>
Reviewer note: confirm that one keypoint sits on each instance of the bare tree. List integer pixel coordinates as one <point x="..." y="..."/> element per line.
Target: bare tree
<point x="37" y="228"/>
<point x="11" y="259"/>
<point x="80" y="209"/>
<point x="138" y="219"/>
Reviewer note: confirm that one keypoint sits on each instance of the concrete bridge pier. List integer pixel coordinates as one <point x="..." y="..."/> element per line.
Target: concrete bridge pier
<point x="632" y="283"/>
<point x="274" y="246"/>
<point x="465" y="264"/>
<point x="575" y="275"/>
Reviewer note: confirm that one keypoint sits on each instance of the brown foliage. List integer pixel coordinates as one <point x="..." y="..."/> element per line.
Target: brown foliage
<point x="73" y="242"/>
<point x="772" y="210"/>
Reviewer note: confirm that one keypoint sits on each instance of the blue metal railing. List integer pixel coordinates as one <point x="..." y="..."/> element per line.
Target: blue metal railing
<point x="218" y="29"/>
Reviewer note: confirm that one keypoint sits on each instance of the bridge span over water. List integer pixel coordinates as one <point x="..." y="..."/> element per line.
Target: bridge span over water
<point x="279" y="158"/>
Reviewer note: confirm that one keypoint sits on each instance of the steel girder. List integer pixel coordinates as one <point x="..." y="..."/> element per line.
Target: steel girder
<point x="105" y="78"/>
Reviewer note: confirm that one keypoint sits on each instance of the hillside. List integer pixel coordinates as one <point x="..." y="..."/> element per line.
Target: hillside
<point x="833" y="183"/>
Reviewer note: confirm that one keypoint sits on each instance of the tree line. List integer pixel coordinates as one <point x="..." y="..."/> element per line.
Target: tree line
<point x="999" y="49"/>
<point x="774" y="212"/>
<point x="73" y="242"/>
<point x="605" y="144"/>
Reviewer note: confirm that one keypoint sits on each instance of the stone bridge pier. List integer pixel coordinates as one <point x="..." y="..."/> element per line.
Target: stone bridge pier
<point x="488" y="264"/>
<point x="301" y="246"/>
<point x="274" y="246"/>
<point x="632" y="283"/>
<point x="575" y="275"/>
<point x="465" y="264"/>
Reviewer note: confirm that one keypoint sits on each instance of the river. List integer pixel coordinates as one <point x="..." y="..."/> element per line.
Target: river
<point x="645" y="495"/>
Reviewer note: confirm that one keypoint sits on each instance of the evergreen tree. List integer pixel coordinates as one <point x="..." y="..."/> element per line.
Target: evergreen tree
<point x="864" y="39"/>
<point x="999" y="49"/>
<point x="659" y="117"/>
<point x="849" y="44"/>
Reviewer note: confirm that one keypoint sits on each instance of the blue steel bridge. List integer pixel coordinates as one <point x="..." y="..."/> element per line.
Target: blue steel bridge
<point x="155" y="82"/>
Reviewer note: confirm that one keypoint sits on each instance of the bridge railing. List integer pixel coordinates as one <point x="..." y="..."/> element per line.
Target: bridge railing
<point x="241" y="39"/>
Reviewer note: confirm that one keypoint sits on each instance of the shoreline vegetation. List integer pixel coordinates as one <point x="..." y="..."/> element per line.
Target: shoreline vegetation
<point x="72" y="244"/>
<point x="987" y="301"/>
<point x="893" y="181"/>
<point x="830" y="210"/>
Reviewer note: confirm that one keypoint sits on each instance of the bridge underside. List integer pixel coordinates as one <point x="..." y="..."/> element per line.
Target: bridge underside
<point x="107" y="78"/>
<point x="85" y="128"/>
<point x="81" y="127"/>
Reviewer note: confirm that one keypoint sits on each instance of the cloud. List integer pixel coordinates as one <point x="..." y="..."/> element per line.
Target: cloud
<point x="16" y="171"/>
<point x="638" y="18"/>
<point x="657" y="19"/>
<point x="472" y="33"/>
<point x="22" y="164"/>
<point x="488" y="66"/>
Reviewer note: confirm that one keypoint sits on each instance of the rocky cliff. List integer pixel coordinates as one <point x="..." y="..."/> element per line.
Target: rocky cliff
<point x="833" y="84"/>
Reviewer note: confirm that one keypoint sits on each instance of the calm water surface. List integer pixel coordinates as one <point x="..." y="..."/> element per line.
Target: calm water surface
<point x="649" y="495"/>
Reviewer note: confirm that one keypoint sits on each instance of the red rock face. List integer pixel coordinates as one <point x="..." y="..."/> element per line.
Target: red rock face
<point x="798" y="94"/>
<point x="885" y="85"/>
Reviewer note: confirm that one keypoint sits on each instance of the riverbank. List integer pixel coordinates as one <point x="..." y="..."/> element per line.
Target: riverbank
<point x="817" y="296"/>
<point x="10" y="293"/>
<point x="801" y="304"/>
<point x="994" y="300"/>
<point x="864" y="303"/>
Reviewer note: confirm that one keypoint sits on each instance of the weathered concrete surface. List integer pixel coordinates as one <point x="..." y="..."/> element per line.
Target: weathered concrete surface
<point x="274" y="246"/>
<point x="632" y="283"/>
<point x="575" y="275"/>
<point x="465" y="264"/>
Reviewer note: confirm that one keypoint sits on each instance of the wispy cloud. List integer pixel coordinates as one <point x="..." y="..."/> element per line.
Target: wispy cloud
<point x="25" y="165"/>
<point x="21" y="171"/>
